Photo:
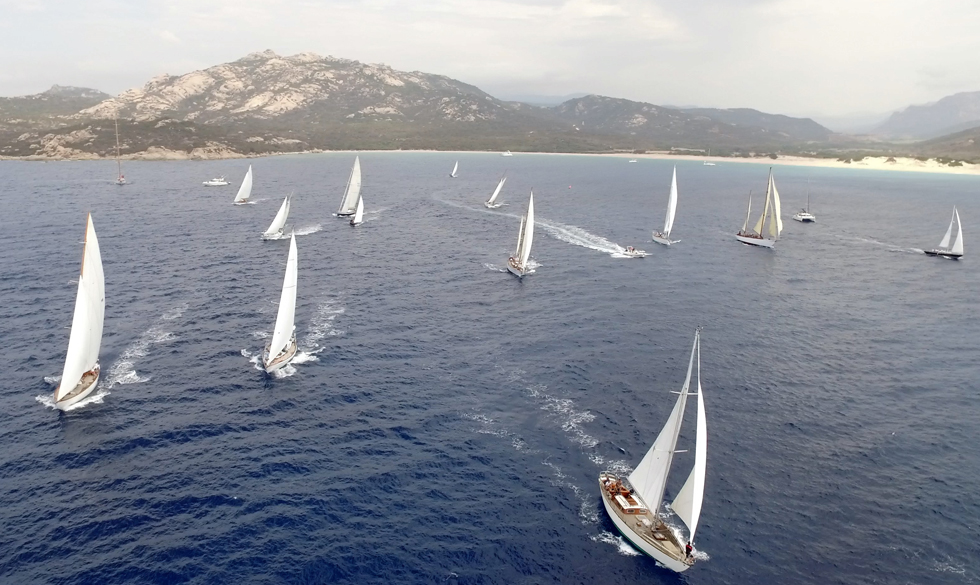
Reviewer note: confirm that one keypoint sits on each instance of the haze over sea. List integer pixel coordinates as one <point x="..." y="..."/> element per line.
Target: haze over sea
<point x="446" y="422"/>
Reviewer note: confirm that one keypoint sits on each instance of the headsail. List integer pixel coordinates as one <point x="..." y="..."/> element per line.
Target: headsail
<point x="359" y="212"/>
<point x="353" y="191"/>
<point x="455" y="168"/>
<point x="949" y="232"/>
<point x="496" y="191"/>
<point x="287" y="305"/>
<point x="671" y="205"/>
<point x="280" y="220"/>
<point x="748" y="212"/>
<point x="765" y="208"/>
<point x="528" y="233"/>
<point x="86" y="326"/>
<point x="776" y="221"/>
<point x="688" y="502"/>
<point x="958" y="243"/>
<point x="246" y="189"/>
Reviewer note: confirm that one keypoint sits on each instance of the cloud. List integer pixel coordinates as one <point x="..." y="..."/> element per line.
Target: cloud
<point x="168" y="36"/>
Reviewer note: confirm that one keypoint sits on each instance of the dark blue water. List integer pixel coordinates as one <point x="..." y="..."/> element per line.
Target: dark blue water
<point x="448" y="422"/>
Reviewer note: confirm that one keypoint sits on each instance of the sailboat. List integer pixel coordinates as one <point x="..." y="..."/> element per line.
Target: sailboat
<point x="245" y="190"/>
<point x="804" y="214"/>
<point x="275" y="228"/>
<point x="755" y="236"/>
<point x="517" y="264"/>
<point x="81" y="373"/>
<point x="708" y="163"/>
<point x="348" y="205"/>
<point x="455" y="168"/>
<point x="219" y="181"/>
<point x="506" y="153"/>
<point x="663" y="237"/>
<point x="490" y="203"/>
<point x="358" y="218"/>
<point x="282" y="348"/>
<point x="634" y="503"/>
<point x="956" y="252"/>
<point x="120" y="180"/>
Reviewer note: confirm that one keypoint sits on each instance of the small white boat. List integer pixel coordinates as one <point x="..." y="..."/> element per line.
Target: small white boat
<point x="804" y="215"/>
<point x="944" y="250"/>
<point x="506" y="153"/>
<point x="632" y="160"/>
<point x="279" y="222"/>
<point x="217" y="182"/>
<point x="663" y="237"/>
<point x="358" y="218"/>
<point x="455" y="168"/>
<point x="518" y="263"/>
<point x="634" y="503"/>
<point x="81" y="373"/>
<point x="707" y="163"/>
<point x="631" y="252"/>
<point x="348" y="204"/>
<point x="245" y="191"/>
<point x="755" y="237"/>
<point x="282" y="348"/>
<point x="491" y="203"/>
<point x="120" y="179"/>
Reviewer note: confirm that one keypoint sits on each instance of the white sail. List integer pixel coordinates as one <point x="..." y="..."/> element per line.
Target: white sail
<point x="520" y="237"/>
<point x="688" y="502"/>
<point x="949" y="232"/>
<point x="86" y="326"/>
<point x="671" y="205"/>
<point x="359" y="212"/>
<point x="958" y="243"/>
<point x="353" y="191"/>
<point x="246" y="189"/>
<point x="287" y="305"/>
<point x="496" y="191"/>
<point x="280" y="220"/>
<point x="748" y="212"/>
<point x="650" y="476"/>
<point x="455" y="168"/>
<point x="528" y="233"/>
<point x="776" y="221"/>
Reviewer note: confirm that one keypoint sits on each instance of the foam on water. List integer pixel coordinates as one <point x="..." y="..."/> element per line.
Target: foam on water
<point x="624" y="548"/>
<point x="94" y="398"/>
<point x="323" y="324"/>
<point x="123" y="370"/>
<point x="307" y="230"/>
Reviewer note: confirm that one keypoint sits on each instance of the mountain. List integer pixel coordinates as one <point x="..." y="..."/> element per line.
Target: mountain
<point x="55" y="102"/>
<point x="949" y="115"/>
<point x="797" y="129"/>
<point x="963" y="146"/>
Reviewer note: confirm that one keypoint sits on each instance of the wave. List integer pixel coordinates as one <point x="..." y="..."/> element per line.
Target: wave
<point x="622" y="547"/>
<point x="494" y="267"/>
<point x="123" y="370"/>
<point x="94" y="398"/>
<point x="305" y="231"/>
<point x="322" y="324"/>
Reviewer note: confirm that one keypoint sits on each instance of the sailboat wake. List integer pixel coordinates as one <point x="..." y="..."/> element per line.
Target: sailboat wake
<point x="494" y="267"/>
<point x="579" y="237"/>
<point x="322" y="326"/>
<point x="305" y="231"/>
<point x="123" y="371"/>
<point x="891" y="247"/>
<point x="617" y="541"/>
<point x="94" y="398"/>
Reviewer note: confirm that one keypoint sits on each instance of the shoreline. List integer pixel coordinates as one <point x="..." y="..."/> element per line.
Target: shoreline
<point x="881" y="163"/>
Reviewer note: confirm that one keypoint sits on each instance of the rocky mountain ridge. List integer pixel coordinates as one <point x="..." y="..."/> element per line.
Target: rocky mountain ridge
<point x="949" y="115"/>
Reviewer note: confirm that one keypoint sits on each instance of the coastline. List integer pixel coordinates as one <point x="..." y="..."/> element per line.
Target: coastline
<point x="219" y="152"/>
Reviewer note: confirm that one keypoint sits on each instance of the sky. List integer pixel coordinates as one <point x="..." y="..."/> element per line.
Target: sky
<point x="794" y="57"/>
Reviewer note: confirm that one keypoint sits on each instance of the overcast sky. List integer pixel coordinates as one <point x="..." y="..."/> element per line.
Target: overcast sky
<point x="798" y="57"/>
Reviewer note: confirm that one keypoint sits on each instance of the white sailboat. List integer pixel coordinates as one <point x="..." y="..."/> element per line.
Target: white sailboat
<point x="634" y="503"/>
<point x="708" y="163"/>
<point x="279" y="222"/>
<point x="358" y="218"/>
<point x="81" y="373"/>
<point x="517" y="264"/>
<point x="455" y="168"/>
<point x="348" y="205"/>
<point x="219" y="181"/>
<point x="804" y="215"/>
<point x="120" y="179"/>
<point x="755" y="237"/>
<point x="491" y="203"/>
<point x="245" y="190"/>
<point x="282" y="348"/>
<point x="663" y="237"/>
<point x="506" y="153"/>
<point x="944" y="250"/>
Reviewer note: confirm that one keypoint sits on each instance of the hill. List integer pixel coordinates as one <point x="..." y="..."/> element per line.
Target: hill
<point x="949" y="115"/>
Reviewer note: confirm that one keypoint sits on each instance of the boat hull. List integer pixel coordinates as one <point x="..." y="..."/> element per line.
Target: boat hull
<point x="662" y="240"/>
<point x="282" y="359"/>
<point x="492" y="205"/>
<point x="355" y="223"/>
<point x="345" y="214"/>
<point x="640" y="543"/>
<point x="943" y="254"/>
<point x="272" y="236"/>
<point x="88" y="383"/>
<point x="761" y="242"/>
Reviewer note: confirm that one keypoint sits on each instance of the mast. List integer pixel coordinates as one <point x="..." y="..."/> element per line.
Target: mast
<point x="748" y="213"/>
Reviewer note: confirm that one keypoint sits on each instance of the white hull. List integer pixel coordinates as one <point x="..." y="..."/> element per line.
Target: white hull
<point x="78" y="395"/>
<point x="640" y="544"/>
<point x="662" y="240"/>
<point x="213" y="184"/>
<point x="355" y="223"/>
<point x="345" y="214"/>
<point x="761" y="242"/>
<point x="805" y="217"/>
<point x="282" y="359"/>
<point x="272" y="236"/>
<point x="492" y="205"/>
<point x="516" y="272"/>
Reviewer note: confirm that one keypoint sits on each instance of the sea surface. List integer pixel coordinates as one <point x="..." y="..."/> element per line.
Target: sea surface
<point x="446" y="422"/>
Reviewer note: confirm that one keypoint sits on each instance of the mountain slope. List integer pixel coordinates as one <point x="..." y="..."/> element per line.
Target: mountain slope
<point x="55" y="102"/>
<point x="949" y="115"/>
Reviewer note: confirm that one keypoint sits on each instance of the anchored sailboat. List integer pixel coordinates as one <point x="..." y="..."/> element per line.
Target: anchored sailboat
<point x="282" y="348"/>
<point x="944" y="251"/>
<point x="245" y="190"/>
<point x="634" y="503"/>
<point x="279" y="222"/>
<point x="455" y="168"/>
<point x="490" y="203"/>
<point x="755" y="236"/>
<point x="81" y="373"/>
<point x="517" y="264"/>
<point x="120" y="180"/>
<point x="663" y="237"/>
<point x="348" y="205"/>
<point x="804" y="214"/>
<point x="706" y="162"/>
<point x="358" y="218"/>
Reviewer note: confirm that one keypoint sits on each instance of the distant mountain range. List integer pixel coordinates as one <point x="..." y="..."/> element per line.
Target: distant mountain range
<point x="949" y="115"/>
<point x="267" y="103"/>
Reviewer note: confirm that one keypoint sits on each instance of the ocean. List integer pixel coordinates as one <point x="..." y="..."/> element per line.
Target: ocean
<point x="445" y="422"/>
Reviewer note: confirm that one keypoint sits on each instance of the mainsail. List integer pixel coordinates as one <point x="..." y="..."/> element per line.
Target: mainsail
<point x="496" y="191"/>
<point x="283" y="333"/>
<point x="246" y="189"/>
<point x="671" y="205"/>
<point x="280" y="220"/>
<point x="353" y="191"/>
<point x="771" y="210"/>
<point x="455" y="168"/>
<point x="86" y="326"/>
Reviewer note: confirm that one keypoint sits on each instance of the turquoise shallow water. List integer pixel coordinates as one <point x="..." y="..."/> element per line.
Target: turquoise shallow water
<point x="448" y="422"/>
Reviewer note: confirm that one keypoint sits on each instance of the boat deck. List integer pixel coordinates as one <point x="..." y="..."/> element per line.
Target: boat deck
<point x="641" y="522"/>
<point x="88" y="378"/>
